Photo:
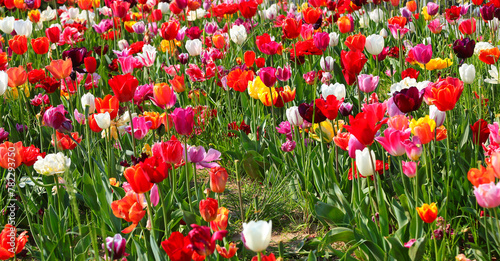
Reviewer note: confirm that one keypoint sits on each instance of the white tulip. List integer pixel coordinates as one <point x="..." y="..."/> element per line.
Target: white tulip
<point x="164" y="7"/>
<point x="272" y="12"/>
<point x="123" y="44"/>
<point x="7" y="24"/>
<point x="257" y="235"/>
<point x="384" y="33"/>
<point x="23" y="27"/>
<point x="73" y="13"/>
<point x="4" y="82"/>
<point x="494" y="75"/>
<point x="48" y="15"/>
<point x="374" y="44"/>
<point x="293" y="116"/>
<point x="88" y="99"/>
<point x="238" y="34"/>
<point x="467" y="73"/>
<point x="52" y="164"/>
<point x="193" y="47"/>
<point x="327" y="63"/>
<point x="334" y="39"/>
<point x="376" y="15"/>
<point x="365" y="163"/>
<point x="103" y="120"/>
<point x="336" y="89"/>
<point x="437" y="115"/>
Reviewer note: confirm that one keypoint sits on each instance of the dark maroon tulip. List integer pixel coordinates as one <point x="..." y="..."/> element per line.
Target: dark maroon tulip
<point x="306" y="112"/>
<point x="480" y="130"/>
<point x="408" y="100"/>
<point x="464" y="48"/>
<point x="345" y="109"/>
<point x="98" y="49"/>
<point x="497" y="13"/>
<point x="487" y="12"/>
<point x="77" y="55"/>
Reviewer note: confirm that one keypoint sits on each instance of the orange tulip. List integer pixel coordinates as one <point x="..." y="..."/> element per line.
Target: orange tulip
<point x="441" y="133"/>
<point x="162" y="94"/>
<point x="219" y="41"/>
<point x="488" y="56"/>
<point x="130" y="209"/>
<point x="311" y="15"/>
<point x="60" y="69"/>
<point x="225" y="253"/>
<point x="17" y="76"/>
<point x="19" y="44"/>
<point x="85" y="4"/>
<point x="153" y="117"/>
<point x="445" y="93"/>
<point x="238" y="79"/>
<point x="220" y="222"/>
<point x="344" y="24"/>
<point x="412" y="6"/>
<point x="398" y="122"/>
<point x="40" y="45"/>
<point x="34" y="16"/>
<point x="137" y="178"/>
<point x="481" y="176"/>
<point x="218" y="179"/>
<point x="428" y="213"/>
<point x="356" y="42"/>
<point x="397" y="20"/>
<point x="178" y="83"/>
<point x="249" y="58"/>
<point x="10" y="155"/>
<point x="423" y="129"/>
<point x="7" y="237"/>
<point x="109" y="104"/>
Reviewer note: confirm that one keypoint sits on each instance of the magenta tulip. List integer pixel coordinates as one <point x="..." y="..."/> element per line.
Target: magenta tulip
<point x="183" y="120"/>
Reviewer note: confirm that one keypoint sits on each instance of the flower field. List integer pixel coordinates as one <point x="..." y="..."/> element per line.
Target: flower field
<point x="212" y="130"/>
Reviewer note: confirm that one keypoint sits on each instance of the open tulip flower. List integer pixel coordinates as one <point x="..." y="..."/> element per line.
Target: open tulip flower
<point x="155" y="130"/>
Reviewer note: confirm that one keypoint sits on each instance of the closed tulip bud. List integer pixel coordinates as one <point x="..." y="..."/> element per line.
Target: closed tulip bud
<point x="345" y="109"/>
<point x="293" y="116"/>
<point x="423" y="53"/>
<point x="116" y="246"/>
<point x="488" y="195"/>
<point x="327" y="63"/>
<point x="467" y="73"/>
<point x="183" y="58"/>
<point x="103" y="120"/>
<point x="88" y="99"/>
<point x="374" y="44"/>
<point x="334" y="39"/>
<point x="164" y="7"/>
<point x="208" y="209"/>
<point x="437" y="115"/>
<point x="384" y="33"/>
<point x="365" y="162"/>
<point x="257" y="235"/>
<point x="409" y="168"/>
<point x="218" y="179"/>
<point x="367" y="82"/>
<point x="90" y="64"/>
<point x="193" y="47"/>
<point x="321" y="40"/>
<point x="376" y="15"/>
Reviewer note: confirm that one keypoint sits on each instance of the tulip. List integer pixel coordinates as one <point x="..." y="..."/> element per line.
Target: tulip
<point x="202" y="242"/>
<point x="52" y="164"/>
<point x="494" y="133"/>
<point x="352" y="64"/>
<point x="202" y="158"/>
<point x="293" y="116"/>
<point x="367" y="82"/>
<point x="423" y="53"/>
<point x="311" y="15"/>
<point x="334" y="39"/>
<point x="291" y="28"/>
<point x="487" y="12"/>
<point x="374" y="44"/>
<point x="365" y="162"/>
<point x="482" y="175"/>
<point x="169" y="30"/>
<point x="467" y="73"/>
<point x="10" y="245"/>
<point x="141" y="127"/>
<point x="392" y="141"/>
<point x="437" y="115"/>
<point x="225" y="253"/>
<point x="137" y="179"/>
<point x="103" y="120"/>
<point x="321" y="40"/>
<point x="40" y="45"/>
<point x="337" y="89"/>
<point x="489" y="56"/>
<point x="311" y="113"/>
<point x="194" y="47"/>
<point x="7" y="24"/>
<point x="376" y="15"/>
<point x="257" y="235"/>
<point x="88" y="99"/>
<point x="480" y="132"/>
<point x="408" y="100"/>
<point x="177" y="247"/>
<point x="432" y="8"/>
<point x="345" y="109"/>
<point x="218" y="179"/>
<point x="413" y="148"/>
<point x="208" y="209"/>
<point x="116" y="246"/>
<point x="345" y="24"/>
<point x="423" y="129"/>
<point x="11" y="155"/>
<point x="327" y="63"/>
<point x="124" y="86"/>
<point x="54" y="117"/>
<point x="445" y="93"/>
<point x="488" y="195"/>
<point x="268" y="76"/>
<point x="354" y="145"/>
<point x="428" y="213"/>
<point x="283" y="74"/>
<point x="464" y="48"/>
<point x="60" y="69"/>
<point x="364" y="126"/>
<point x="409" y="168"/>
<point x="23" y="27"/>
<point x="4" y="82"/>
<point x="130" y="209"/>
<point x="183" y="120"/>
<point x="4" y="135"/>
<point x="19" y="44"/>
<point x="238" y="34"/>
<point x="356" y="42"/>
<point x="468" y="26"/>
<point x="329" y="106"/>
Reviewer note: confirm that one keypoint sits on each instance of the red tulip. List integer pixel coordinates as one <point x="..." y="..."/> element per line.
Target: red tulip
<point x="19" y="44"/>
<point x="311" y="15"/>
<point x="155" y="168"/>
<point x="11" y="155"/>
<point x="30" y="155"/>
<point x="248" y="8"/>
<point x="90" y="64"/>
<point x="480" y="132"/>
<point x="352" y="63"/>
<point x="249" y="58"/>
<point x="445" y="93"/>
<point x="291" y="28"/>
<point x="218" y="179"/>
<point x="109" y="104"/>
<point x="208" y="209"/>
<point x="468" y="26"/>
<point x="53" y="33"/>
<point x="60" y="69"/>
<point x="130" y="209"/>
<point x="40" y="45"/>
<point x="356" y="42"/>
<point x="17" y="76"/>
<point x="177" y="247"/>
<point x="137" y="178"/>
<point x="364" y="127"/>
<point x="171" y="151"/>
<point x="329" y="107"/>
<point x="124" y="86"/>
<point x="10" y="245"/>
<point x="169" y="30"/>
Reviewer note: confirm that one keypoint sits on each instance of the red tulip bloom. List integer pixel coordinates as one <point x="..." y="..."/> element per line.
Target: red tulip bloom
<point x="53" y="33"/>
<point x="124" y="86"/>
<point x="11" y="154"/>
<point x="218" y="179"/>
<point x="238" y="79"/>
<point x="130" y="209"/>
<point x="364" y="127"/>
<point x="480" y="132"/>
<point x="352" y="64"/>
<point x="109" y="104"/>
<point x="64" y="142"/>
<point x="93" y="124"/>
<point x="249" y="58"/>
<point x="453" y="13"/>
<point x="329" y="107"/>
<point x="171" y="151"/>
<point x="169" y="30"/>
<point x="19" y="44"/>
<point x="90" y="64"/>
<point x="202" y="242"/>
<point x="227" y="253"/>
<point x="137" y="178"/>
<point x="40" y="45"/>
<point x="445" y="93"/>
<point x="120" y="8"/>
<point x="270" y="257"/>
<point x="356" y="42"/>
<point x="9" y="242"/>
<point x="248" y="8"/>
<point x="30" y="155"/>
<point x="397" y="20"/>
<point x="311" y="15"/>
<point x="17" y="76"/>
<point x="177" y="247"/>
<point x="208" y="209"/>
<point x="36" y="75"/>
<point x="155" y="168"/>
<point x="468" y="26"/>
<point x="410" y="72"/>
<point x="489" y="56"/>
<point x="291" y="28"/>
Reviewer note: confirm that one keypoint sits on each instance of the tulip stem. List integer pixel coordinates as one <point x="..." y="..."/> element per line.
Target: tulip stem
<point x="402" y="176"/>
<point x="148" y="200"/>
<point x="486" y="234"/>
<point x="187" y="176"/>
<point x="416" y="205"/>
<point x="132" y="127"/>
<point x="164" y="208"/>
<point x="238" y="182"/>
<point x="196" y="183"/>
<point x="259" y="257"/>
<point x="448" y="171"/>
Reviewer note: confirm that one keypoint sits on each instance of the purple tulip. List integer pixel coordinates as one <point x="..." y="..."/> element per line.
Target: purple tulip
<point x="284" y="74"/>
<point x="321" y="40"/>
<point x="103" y="26"/>
<point x="432" y="8"/>
<point x="116" y="246"/>
<point x="465" y="9"/>
<point x="55" y="118"/>
<point x="406" y="13"/>
<point x="183" y="58"/>
<point x="4" y="135"/>
<point x="210" y="28"/>
<point x="181" y="3"/>
<point x="76" y="55"/>
<point x="183" y="120"/>
<point x="307" y="110"/>
<point x="345" y="109"/>
<point x="141" y="127"/>
<point x="367" y="82"/>
<point x="201" y="157"/>
<point x="464" y="48"/>
<point x="408" y="100"/>
<point x="268" y="76"/>
<point x="21" y="128"/>
<point x="423" y="53"/>
<point x="487" y="12"/>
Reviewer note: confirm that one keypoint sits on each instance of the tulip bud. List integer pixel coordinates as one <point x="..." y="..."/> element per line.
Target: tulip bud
<point x="238" y="34"/>
<point x="183" y="58"/>
<point x="384" y="33"/>
<point x="103" y="120"/>
<point x="413" y="148"/>
<point x="293" y="116"/>
<point x="88" y="99"/>
<point x="218" y="179"/>
<point x="374" y="44"/>
<point x="321" y="40"/>
<point x="409" y="168"/>
<point x="90" y="64"/>
<point x="257" y="235"/>
<point x="345" y="109"/>
<point x="208" y="209"/>
<point x="116" y="246"/>
<point x="164" y="7"/>
<point x="467" y="73"/>
<point x="437" y="115"/>
<point x="365" y="162"/>
<point x="327" y="63"/>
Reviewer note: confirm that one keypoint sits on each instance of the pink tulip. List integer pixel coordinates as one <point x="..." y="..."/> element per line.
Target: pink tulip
<point x="268" y="76"/>
<point x="413" y="148"/>
<point x="183" y="120"/>
<point x="494" y="133"/>
<point x="367" y="82"/>
<point x="488" y="195"/>
<point x="284" y="74"/>
<point x="409" y="168"/>
<point x="398" y="32"/>
<point x="354" y="145"/>
<point x="201" y="157"/>
<point x="392" y="141"/>
<point x="128" y="64"/>
<point x="141" y="127"/>
<point x="423" y="53"/>
<point x="321" y="40"/>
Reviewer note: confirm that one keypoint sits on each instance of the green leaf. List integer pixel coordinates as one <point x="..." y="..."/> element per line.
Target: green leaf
<point x="417" y="250"/>
<point x="398" y="251"/>
<point x="251" y="165"/>
<point x="329" y="214"/>
<point x="338" y="234"/>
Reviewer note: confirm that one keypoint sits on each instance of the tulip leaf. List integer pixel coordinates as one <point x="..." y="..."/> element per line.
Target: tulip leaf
<point x="398" y="251"/>
<point x="417" y="250"/>
<point x="329" y="214"/>
<point x="338" y="234"/>
<point x="251" y="165"/>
